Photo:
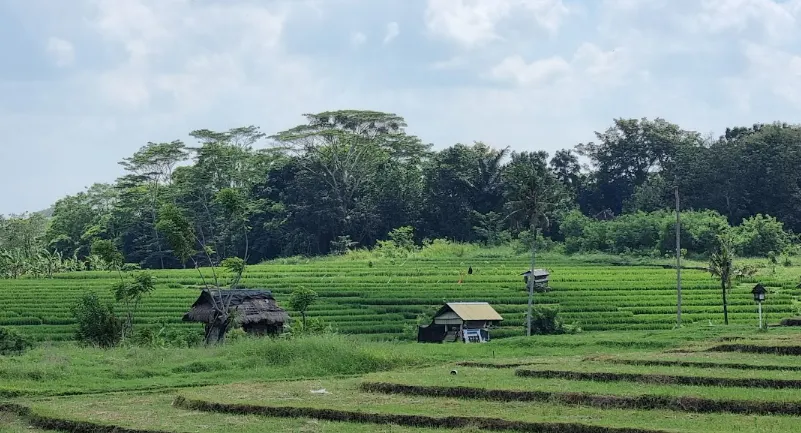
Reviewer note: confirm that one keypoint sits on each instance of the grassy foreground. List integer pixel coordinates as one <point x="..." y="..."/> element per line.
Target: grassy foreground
<point x="68" y="369"/>
<point x="257" y="384"/>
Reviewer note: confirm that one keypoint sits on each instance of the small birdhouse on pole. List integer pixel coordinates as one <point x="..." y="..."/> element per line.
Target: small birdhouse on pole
<point x="759" y="293"/>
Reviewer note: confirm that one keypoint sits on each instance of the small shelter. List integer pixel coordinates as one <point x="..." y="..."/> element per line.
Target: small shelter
<point x="469" y="322"/>
<point x="255" y="310"/>
<point x="541" y="276"/>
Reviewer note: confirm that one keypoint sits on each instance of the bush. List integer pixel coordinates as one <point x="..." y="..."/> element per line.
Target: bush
<point x="546" y="321"/>
<point x="403" y="237"/>
<point x="97" y="323"/>
<point x="758" y="235"/>
<point x="445" y="248"/>
<point x="13" y="343"/>
<point x="236" y="334"/>
<point x="163" y="337"/>
<point x="643" y="233"/>
<point x="699" y="232"/>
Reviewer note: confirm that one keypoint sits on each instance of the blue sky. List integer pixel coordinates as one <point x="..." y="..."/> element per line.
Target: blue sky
<point x="85" y="83"/>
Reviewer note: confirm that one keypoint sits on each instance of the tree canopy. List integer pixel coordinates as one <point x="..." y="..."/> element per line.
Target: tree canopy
<point x="351" y="177"/>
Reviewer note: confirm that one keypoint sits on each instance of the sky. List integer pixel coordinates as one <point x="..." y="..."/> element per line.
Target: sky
<point x="86" y="83"/>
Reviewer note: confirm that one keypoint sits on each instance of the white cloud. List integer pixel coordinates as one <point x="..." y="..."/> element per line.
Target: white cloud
<point x="358" y="38"/>
<point x="770" y="70"/>
<point x="589" y="64"/>
<point x="472" y="23"/>
<point x="538" y="72"/>
<point x="774" y="20"/>
<point x="452" y="63"/>
<point x="608" y="67"/>
<point x="393" y="30"/>
<point x="61" y="51"/>
<point x="166" y="54"/>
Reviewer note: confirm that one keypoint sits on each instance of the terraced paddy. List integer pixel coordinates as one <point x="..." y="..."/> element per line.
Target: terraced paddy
<point x="414" y="391"/>
<point x="382" y="298"/>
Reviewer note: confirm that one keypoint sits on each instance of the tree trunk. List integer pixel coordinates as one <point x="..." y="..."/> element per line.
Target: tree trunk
<point x="215" y="332"/>
<point x="725" y="307"/>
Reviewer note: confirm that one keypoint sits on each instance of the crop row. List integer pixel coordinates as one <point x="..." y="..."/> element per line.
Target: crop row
<point x="382" y="300"/>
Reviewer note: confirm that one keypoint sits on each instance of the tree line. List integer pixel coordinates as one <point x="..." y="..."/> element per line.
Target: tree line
<point x="346" y="179"/>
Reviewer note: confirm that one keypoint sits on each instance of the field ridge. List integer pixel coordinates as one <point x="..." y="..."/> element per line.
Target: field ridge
<point x="453" y="422"/>
<point x="642" y="401"/>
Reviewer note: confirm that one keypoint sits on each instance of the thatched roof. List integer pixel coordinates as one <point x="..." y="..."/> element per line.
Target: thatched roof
<point x="538" y="273"/>
<point x="251" y="306"/>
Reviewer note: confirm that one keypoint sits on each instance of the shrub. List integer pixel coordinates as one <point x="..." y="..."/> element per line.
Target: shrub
<point x="758" y="235"/>
<point x="97" y="323"/>
<point x="236" y="334"/>
<point x="546" y="321"/>
<point x="313" y="326"/>
<point x="403" y="237"/>
<point x="644" y="232"/>
<point x="445" y="248"/>
<point x="162" y="336"/>
<point x="13" y="343"/>
<point x="301" y="299"/>
<point x="342" y="245"/>
<point x="699" y="231"/>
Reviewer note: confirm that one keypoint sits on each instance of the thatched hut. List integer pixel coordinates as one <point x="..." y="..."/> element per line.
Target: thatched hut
<point x="255" y="310"/>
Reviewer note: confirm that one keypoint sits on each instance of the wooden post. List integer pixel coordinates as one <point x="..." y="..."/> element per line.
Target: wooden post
<point x="678" y="260"/>
<point x="760" y="314"/>
<point x="531" y="284"/>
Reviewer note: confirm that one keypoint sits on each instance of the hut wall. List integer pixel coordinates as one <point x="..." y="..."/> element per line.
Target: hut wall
<point x="476" y="324"/>
<point x="448" y="318"/>
<point x="431" y="334"/>
<point x="262" y="328"/>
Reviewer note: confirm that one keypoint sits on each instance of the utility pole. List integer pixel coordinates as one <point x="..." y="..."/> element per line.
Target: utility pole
<point x="531" y="284"/>
<point x="678" y="260"/>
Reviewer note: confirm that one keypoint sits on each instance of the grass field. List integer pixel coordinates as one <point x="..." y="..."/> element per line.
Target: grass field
<point x="266" y="385"/>
<point x="382" y="298"/>
<point x="628" y="371"/>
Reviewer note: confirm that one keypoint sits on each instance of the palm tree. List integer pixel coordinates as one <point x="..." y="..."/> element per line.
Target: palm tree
<point x="721" y="265"/>
<point x="533" y="194"/>
<point x="486" y="183"/>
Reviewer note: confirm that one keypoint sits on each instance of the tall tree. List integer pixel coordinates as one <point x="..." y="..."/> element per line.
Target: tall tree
<point x="627" y="152"/>
<point x="150" y="168"/>
<point x="566" y="167"/>
<point x="80" y="219"/>
<point x="344" y="151"/>
<point x="453" y="187"/>
<point x="533" y="194"/>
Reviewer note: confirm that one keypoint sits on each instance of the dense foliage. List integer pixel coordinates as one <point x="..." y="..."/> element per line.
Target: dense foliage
<point x="347" y="179"/>
<point x="13" y="343"/>
<point x="654" y="233"/>
<point x="97" y="323"/>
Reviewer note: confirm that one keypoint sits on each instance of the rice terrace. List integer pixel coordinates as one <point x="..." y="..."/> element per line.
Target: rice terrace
<point x="627" y="370"/>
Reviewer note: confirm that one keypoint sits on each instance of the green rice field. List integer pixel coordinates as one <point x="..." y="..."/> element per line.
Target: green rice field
<point x="630" y="370"/>
<point x="384" y="298"/>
